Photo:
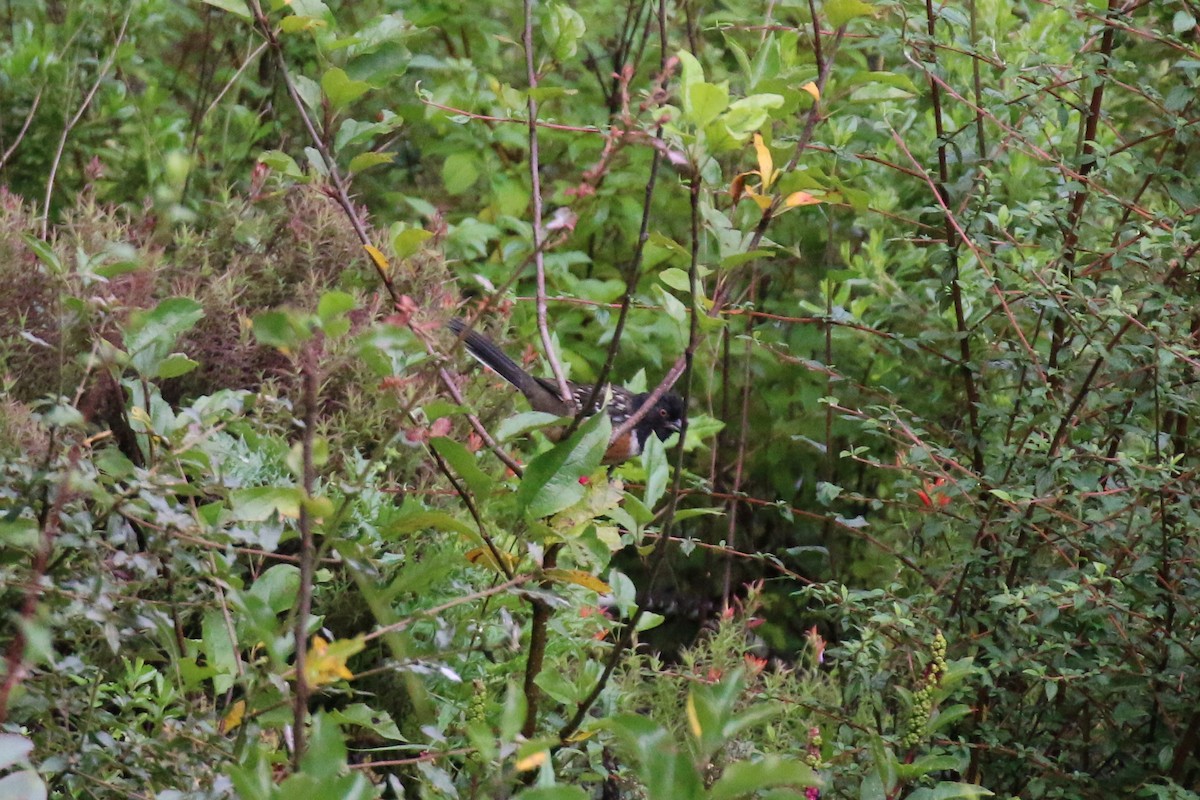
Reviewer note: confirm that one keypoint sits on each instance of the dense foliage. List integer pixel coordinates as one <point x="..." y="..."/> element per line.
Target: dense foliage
<point x="926" y="274"/>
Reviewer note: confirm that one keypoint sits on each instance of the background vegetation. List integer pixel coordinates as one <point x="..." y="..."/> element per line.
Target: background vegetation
<point x="926" y="273"/>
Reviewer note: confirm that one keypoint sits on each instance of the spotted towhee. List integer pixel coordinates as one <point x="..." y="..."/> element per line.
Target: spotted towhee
<point x="663" y="419"/>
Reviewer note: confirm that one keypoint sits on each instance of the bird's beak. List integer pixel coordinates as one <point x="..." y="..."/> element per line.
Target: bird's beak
<point x="675" y="425"/>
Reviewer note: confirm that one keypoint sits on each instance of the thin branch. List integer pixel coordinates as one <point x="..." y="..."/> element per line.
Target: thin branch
<point x="535" y="184"/>
<point x="83" y="107"/>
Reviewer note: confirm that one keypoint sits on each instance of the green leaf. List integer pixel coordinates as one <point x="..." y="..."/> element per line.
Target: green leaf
<point x="707" y="102"/>
<point x="408" y="242"/>
<point x="175" y="365"/>
<point x="421" y="520"/>
<point x="464" y="464"/>
<point x="551" y="481"/>
<point x="341" y="89"/>
<point x="283" y="330"/>
<point x="562" y="30"/>
<point x="258" y="503"/>
<point x="523" y="423"/>
<point x="554" y="793"/>
<point x="334" y="305"/>
<point x="325" y="755"/>
<point x="654" y="462"/>
<point x="691" y="73"/>
<point x="839" y="12"/>
<point x="459" y="172"/>
<point x="278" y="587"/>
<point x="666" y="771"/>
<point x="281" y="162"/>
<point x="364" y="161"/>
<point x="950" y="790"/>
<point x="236" y="7"/>
<point x="219" y="650"/>
<point x="746" y="777"/>
<point x="362" y="715"/>
<point x="150" y="335"/>
<point x="21" y="534"/>
<point x="748" y="114"/>
<point x="677" y="279"/>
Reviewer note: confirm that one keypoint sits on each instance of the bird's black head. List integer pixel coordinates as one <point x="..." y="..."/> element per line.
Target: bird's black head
<point x="665" y="418"/>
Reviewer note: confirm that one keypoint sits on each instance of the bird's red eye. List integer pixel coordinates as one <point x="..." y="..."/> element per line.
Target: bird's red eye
<point x="662" y="412"/>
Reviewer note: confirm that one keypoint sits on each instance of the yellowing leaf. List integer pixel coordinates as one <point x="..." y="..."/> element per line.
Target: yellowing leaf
<point x="580" y="578"/>
<point x="801" y="199"/>
<point x="235" y="716"/>
<point x="379" y="258"/>
<point x="812" y="89"/>
<point x="483" y="557"/>
<point x="766" y="163"/>
<point x="138" y="414"/>
<point x="693" y="718"/>
<point x="326" y="661"/>
<point x="762" y="201"/>
<point x="532" y="761"/>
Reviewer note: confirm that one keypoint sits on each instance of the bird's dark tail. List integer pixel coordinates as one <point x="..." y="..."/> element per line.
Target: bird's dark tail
<point x="487" y="353"/>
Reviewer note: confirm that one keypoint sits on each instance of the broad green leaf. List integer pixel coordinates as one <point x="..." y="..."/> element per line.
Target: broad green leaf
<point x="551" y="481"/>
<point x="325" y="755"/>
<point x="839" y="12"/>
<point x="421" y="520"/>
<point x="258" y="503"/>
<point x="150" y="335"/>
<point x="283" y="330"/>
<point x="175" y="365"/>
<point x="236" y="7"/>
<point x="523" y="423"/>
<point x="333" y="305"/>
<point x="707" y="102"/>
<point x="654" y="462"/>
<point x="364" y="161"/>
<point x="464" y="464"/>
<point x="746" y="777"/>
<point x="408" y="242"/>
<point x="362" y="715"/>
<point x="281" y="162"/>
<point x="219" y="650"/>
<point x="278" y="587"/>
<point x="341" y="89"/>
<point x="950" y="790"/>
<point x="691" y="73"/>
<point x="459" y="172"/>
<point x="562" y="30"/>
<point x="750" y="113"/>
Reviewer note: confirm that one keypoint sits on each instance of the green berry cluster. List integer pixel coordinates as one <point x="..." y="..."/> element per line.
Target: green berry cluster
<point x="922" y="705"/>
<point x="813" y="756"/>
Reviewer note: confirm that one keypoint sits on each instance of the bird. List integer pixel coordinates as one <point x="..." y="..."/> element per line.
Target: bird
<point x="664" y="417"/>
